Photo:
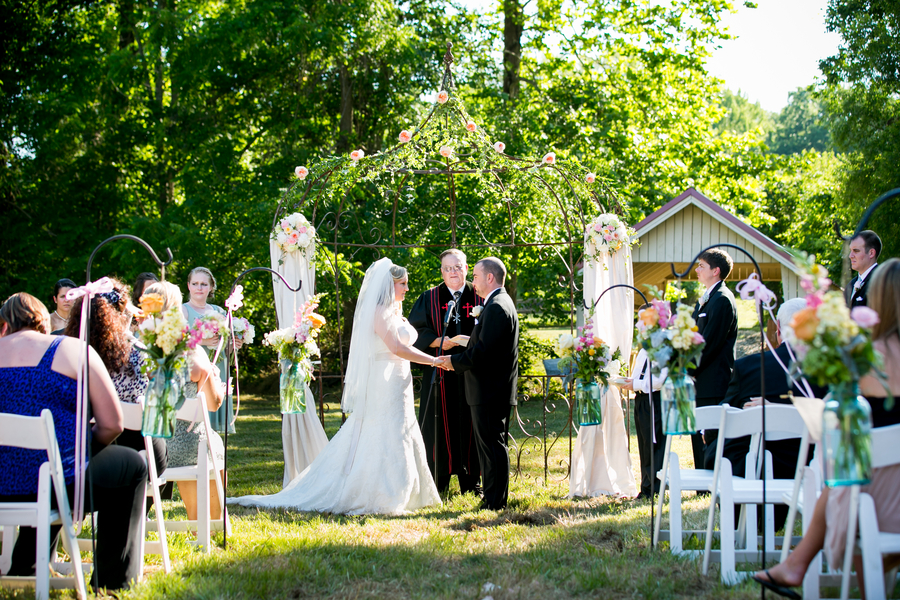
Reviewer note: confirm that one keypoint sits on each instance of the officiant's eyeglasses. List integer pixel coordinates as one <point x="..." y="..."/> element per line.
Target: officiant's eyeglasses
<point x="457" y="268"/>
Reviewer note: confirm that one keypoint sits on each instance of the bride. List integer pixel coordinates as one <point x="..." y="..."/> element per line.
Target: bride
<point x="376" y="462"/>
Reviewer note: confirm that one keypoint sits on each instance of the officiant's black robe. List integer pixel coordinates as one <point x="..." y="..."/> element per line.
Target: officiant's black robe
<point x="457" y="453"/>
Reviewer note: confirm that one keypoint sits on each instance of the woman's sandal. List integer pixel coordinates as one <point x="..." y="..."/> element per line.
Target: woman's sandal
<point x="774" y="587"/>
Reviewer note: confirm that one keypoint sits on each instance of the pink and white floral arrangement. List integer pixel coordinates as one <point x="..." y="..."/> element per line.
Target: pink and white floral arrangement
<point x="607" y="233"/>
<point x="294" y="232"/>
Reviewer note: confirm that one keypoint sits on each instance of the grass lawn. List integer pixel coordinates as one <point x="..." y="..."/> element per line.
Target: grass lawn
<point x="543" y="546"/>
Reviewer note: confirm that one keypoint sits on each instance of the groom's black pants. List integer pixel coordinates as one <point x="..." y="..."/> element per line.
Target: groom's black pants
<point x="490" y="424"/>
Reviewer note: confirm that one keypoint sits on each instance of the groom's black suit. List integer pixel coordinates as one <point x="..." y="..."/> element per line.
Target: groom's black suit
<point x="490" y="366"/>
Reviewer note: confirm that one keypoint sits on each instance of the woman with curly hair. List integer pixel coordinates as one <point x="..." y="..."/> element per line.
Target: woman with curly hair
<point x="110" y="336"/>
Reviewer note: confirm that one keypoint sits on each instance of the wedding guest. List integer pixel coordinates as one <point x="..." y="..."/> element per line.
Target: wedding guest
<point x="110" y="337"/>
<point x="864" y="251"/>
<point x="743" y="392"/>
<point x="38" y="371"/>
<point x="716" y="318"/>
<point x="639" y="382"/>
<point x="828" y="529"/>
<point x="143" y="281"/>
<point x="60" y="316"/>
<point x="201" y="286"/>
<point x="456" y="450"/>
<point x="182" y="447"/>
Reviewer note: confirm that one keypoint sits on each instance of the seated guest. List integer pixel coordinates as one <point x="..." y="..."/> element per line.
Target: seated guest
<point x="38" y="371"/>
<point x="111" y="338"/>
<point x="143" y="281"/>
<point x="60" y="316"/>
<point x="743" y="392"/>
<point x="182" y="447"/>
<point x="828" y="528"/>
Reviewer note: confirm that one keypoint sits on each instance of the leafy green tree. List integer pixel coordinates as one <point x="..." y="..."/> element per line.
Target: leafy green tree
<point x="801" y="125"/>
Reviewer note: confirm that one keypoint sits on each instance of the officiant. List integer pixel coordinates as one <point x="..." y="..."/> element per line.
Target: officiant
<point x="456" y="449"/>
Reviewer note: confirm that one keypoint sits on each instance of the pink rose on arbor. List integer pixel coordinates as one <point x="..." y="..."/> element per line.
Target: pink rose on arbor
<point x="864" y="316"/>
<point x="356" y="155"/>
<point x="471" y="126"/>
<point x="405" y="136"/>
<point x="549" y="158"/>
<point x="446" y="151"/>
<point x="499" y="147"/>
<point x="590" y="178"/>
<point x="301" y="172"/>
<point x="443" y="96"/>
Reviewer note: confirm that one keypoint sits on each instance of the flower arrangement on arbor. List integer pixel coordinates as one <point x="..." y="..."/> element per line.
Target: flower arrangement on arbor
<point x="606" y="234"/>
<point x="296" y="345"/>
<point x="293" y="232"/>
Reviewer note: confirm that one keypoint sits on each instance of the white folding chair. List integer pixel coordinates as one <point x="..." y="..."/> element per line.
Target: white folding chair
<point x="194" y="410"/>
<point x="7" y="541"/>
<point x="782" y="422"/>
<point x="679" y="480"/>
<point x="872" y="542"/>
<point x="132" y="418"/>
<point x="38" y="433"/>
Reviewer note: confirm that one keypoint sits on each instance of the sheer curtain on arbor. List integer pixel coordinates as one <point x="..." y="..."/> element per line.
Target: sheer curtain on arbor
<point x="601" y="464"/>
<point x="301" y="434"/>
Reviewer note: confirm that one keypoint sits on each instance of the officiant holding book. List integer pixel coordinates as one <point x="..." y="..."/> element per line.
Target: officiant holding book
<point x="456" y="449"/>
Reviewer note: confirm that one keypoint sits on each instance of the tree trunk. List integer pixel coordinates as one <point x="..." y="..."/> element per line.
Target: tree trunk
<point x="346" y="127"/>
<point x="513" y="24"/>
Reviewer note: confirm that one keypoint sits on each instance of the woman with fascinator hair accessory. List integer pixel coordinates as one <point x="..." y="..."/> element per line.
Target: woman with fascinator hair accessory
<point x="376" y="462"/>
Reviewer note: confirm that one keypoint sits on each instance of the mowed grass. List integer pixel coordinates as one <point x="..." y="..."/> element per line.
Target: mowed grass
<point x="544" y="545"/>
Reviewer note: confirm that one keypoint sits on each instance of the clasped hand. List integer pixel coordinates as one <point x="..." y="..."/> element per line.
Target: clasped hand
<point x="443" y="362"/>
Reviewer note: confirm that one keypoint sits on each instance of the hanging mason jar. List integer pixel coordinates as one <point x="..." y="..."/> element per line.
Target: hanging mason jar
<point x="847" y="437"/>
<point x="678" y="403"/>
<point x="587" y="402"/>
<point x="162" y="399"/>
<point x="293" y="386"/>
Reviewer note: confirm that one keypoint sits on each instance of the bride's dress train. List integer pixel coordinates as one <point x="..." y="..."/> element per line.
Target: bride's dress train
<point x="376" y="463"/>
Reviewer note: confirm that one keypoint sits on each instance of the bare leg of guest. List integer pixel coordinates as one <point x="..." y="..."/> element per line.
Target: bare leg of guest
<point x="790" y="573"/>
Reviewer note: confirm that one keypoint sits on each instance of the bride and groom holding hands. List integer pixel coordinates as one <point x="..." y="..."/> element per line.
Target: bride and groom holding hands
<point x="377" y="462"/>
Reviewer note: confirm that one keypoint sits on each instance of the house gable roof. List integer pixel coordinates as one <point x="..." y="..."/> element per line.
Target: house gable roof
<point x="692" y="196"/>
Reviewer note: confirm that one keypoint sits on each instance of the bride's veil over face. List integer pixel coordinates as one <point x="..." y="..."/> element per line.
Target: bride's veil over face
<point x="375" y="296"/>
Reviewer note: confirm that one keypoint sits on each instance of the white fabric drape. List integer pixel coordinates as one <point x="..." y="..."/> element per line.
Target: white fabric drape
<point x="301" y="435"/>
<point x="601" y="463"/>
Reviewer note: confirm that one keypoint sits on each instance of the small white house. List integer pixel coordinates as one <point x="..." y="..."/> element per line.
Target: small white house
<point x="691" y="222"/>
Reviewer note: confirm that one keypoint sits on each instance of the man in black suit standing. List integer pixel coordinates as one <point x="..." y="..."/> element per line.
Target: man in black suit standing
<point x="491" y="369"/>
<point x="716" y="318"/>
<point x="864" y="251"/>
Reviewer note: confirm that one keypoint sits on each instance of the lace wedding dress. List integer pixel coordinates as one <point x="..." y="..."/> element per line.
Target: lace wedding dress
<point x="376" y="463"/>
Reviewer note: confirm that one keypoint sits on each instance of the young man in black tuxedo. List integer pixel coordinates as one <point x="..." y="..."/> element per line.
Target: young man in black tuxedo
<point x="490" y="366"/>
<point x="716" y="318"/>
<point x="864" y="251"/>
<point x="456" y="450"/>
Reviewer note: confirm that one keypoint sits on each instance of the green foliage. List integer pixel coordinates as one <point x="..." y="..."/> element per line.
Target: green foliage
<point x="743" y="116"/>
<point x="801" y="125"/>
<point x="532" y="351"/>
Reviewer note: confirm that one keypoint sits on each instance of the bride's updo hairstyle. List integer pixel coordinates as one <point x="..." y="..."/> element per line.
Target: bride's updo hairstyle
<point x="398" y="272"/>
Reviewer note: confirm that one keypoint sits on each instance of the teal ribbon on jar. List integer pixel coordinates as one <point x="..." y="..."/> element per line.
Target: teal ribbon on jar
<point x="847" y="436"/>
<point x="162" y="399"/>
<point x="588" y="395"/>
<point x="292" y="386"/>
<point x="678" y="403"/>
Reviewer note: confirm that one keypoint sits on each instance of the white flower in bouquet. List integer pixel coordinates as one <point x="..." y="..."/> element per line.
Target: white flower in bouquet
<point x="607" y="233"/>
<point x="293" y="232"/>
<point x="170" y="330"/>
<point x="243" y="329"/>
<point x="566" y="343"/>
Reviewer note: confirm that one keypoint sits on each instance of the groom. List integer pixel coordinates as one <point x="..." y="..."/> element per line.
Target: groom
<point x="490" y="366"/>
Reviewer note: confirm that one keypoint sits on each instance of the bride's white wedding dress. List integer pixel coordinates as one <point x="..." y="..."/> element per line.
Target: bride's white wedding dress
<point x="376" y="463"/>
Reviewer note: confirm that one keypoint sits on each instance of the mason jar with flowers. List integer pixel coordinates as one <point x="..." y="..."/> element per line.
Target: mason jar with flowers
<point x="834" y="347"/>
<point x="672" y="341"/>
<point x="296" y="345"/>
<point x="165" y="339"/>
<point x="588" y="357"/>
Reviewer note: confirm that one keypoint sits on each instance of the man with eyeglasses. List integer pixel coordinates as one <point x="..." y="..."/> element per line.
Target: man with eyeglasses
<point x="456" y="449"/>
